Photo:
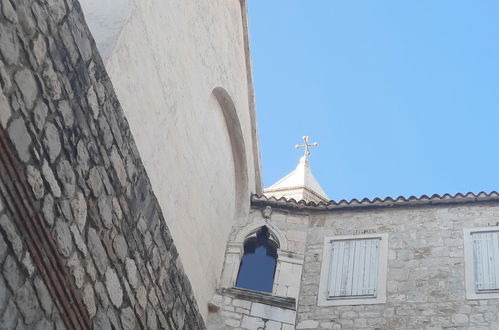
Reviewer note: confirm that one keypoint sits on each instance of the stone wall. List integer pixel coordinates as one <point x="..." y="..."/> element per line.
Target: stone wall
<point x="82" y="237"/>
<point x="235" y="310"/>
<point x="244" y="309"/>
<point x="167" y="61"/>
<point x="426" y="269"/>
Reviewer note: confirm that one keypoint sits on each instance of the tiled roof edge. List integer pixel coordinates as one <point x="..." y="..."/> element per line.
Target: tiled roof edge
<point x="423" y="200"/>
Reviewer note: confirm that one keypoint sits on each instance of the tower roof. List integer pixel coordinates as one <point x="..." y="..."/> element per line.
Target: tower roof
<point x="300" y="184"/>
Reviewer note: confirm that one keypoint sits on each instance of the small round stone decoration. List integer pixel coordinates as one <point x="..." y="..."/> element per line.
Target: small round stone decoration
<point x="267" y="212"/>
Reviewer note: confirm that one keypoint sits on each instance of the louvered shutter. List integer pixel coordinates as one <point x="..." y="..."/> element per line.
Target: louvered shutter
<point x="354" y="268"/>
<point x="486" y="260"/>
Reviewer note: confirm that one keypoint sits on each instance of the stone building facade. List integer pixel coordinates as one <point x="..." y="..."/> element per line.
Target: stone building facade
<point x="130" y="187"/>
<point x="426" y="266"/>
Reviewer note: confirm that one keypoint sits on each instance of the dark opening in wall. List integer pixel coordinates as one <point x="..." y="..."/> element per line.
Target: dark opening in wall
<point x="257" y="268"/>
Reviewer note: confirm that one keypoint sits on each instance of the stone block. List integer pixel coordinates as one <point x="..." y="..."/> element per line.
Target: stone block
<point x="272" y="313"/>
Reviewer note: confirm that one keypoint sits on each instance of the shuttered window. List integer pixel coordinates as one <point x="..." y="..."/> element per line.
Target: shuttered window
<point x="354" y="268"/>
<point x="486" y="261"/>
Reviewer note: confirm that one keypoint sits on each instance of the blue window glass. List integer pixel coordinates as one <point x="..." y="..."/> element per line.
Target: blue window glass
<point x="257" y="268"/>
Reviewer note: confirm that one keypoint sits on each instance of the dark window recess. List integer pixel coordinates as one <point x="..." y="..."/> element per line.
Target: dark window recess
<point x="257" y="268"/>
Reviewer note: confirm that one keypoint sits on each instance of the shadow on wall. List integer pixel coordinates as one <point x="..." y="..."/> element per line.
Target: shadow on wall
<point x="238" y="151"/>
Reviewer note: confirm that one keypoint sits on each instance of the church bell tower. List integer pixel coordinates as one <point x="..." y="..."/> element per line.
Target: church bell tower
<point x="300" y="184"/>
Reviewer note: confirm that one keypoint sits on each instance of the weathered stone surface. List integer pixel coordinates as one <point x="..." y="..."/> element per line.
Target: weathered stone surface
<point x="101" y="321"/>
<point x="3" y="248"/>
<point x="79" y="208"/>
<point x="89" y="300"/>
<point x="48" y="209"/>
<point x="91" y="271"/>
<point x="106" y="211"/>
<point x="128" y="319"/>
<point x="52" y="142"/>
<point x="28" y="264"/>
<point x="28" y="304"/>
<point x="141" y="296"/>
<point x="82" y="156"/>
<point x="67" y="113"/>
<point x="12" y="235"/>
<point x="5" y="110"/>
<point x="5" y="81"/>
<point x="101" y="292"/>
<point x="27" y="84"/>
<point x="114" y="287"/>
<point x="95" y="181"/>
<point x="77" y="270"/>
<point x="80" y="244"/>
<point x="249" y="322"/>
<point x="52" y="81"/>
<point x="10" y="316"/>
<point x="131" y="272"/>
<point x="67" y="177"/>
<point x="40" y="114"/>
<point x="120" y="247"/>
<point x="118" y="166"/>
<point x="26" y="20"/>
<point x="44" y="296"/>
<point x="9" y="47"/>
<point x="39" y="49"/>
<point x="97" y="250"/>
<point x="152" y="322"/>
<point x="62" y="237"/>
<point x="19" y="136"/>
<point x="44" y="324"/>
<point x="92" y="102"/>
<point x="35" y="181"/>
<point x="8" y="11"/>
<point x="68" y="40"/>
<point x="48" y="174"/>
<point x="4" y="295"/>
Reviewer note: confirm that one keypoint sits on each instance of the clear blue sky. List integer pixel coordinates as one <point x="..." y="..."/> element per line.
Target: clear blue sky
<point x="402" y="96"/>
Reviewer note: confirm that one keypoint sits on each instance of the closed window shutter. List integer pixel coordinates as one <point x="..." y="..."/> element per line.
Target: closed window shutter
<point x="354" y="268"/>
<point x="486" y="261"/>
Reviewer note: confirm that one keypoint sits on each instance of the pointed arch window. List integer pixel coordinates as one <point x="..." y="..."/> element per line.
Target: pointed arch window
<point x="257" y="267"/>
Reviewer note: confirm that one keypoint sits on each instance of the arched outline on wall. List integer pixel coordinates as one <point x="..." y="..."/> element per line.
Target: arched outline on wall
<point x="238" y="150"/>
<point x="275" y="233"/>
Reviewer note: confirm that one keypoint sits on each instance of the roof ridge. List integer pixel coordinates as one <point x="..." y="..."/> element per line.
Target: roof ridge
<point x="469" y="196"/>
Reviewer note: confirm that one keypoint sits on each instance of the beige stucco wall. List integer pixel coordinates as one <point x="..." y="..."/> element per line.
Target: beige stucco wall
<point x="168" y="58"/>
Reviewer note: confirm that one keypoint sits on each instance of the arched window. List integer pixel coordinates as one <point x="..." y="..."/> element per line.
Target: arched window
<point x="257" y="268"/>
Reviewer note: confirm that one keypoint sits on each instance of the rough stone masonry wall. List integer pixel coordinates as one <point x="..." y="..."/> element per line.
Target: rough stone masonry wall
<point x="237" y="311"/>
<point x="87" y="182"/>
<point x="425" y="284"/>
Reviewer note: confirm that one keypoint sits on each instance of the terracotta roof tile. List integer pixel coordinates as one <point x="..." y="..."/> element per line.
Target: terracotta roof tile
<point x="435" y="199"/>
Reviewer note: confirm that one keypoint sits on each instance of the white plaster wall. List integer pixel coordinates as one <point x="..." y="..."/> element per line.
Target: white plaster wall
<point x="106" y="19"/>
<point x="169" y="57"/>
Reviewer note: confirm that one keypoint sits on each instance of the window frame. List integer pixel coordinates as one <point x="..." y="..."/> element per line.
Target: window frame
<point x="379" y="298"/>
<point x="469" y="264"/>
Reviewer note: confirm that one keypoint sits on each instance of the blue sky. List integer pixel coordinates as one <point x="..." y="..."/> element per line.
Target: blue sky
<point x="402" y="96"/>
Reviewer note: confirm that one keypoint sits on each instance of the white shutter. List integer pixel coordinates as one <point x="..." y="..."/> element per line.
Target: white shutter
<point x="486" y="260"/>
<point x="354" y="268"/>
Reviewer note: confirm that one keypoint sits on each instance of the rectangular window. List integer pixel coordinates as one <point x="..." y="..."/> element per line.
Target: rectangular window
<point x="486" y="261"/>
<point x="481" y="258"/>
<point x="354" y="270"/>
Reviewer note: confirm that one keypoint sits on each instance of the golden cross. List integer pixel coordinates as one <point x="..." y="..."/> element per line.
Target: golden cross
<point x="306" y="145"/>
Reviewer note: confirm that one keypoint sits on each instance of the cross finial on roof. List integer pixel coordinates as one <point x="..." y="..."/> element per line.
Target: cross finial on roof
<point x="306" y="145"/>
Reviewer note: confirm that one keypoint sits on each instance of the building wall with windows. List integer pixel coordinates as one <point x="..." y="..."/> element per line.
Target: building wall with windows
<point x="423" y="276"/>
<point x="425" y="283"/>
